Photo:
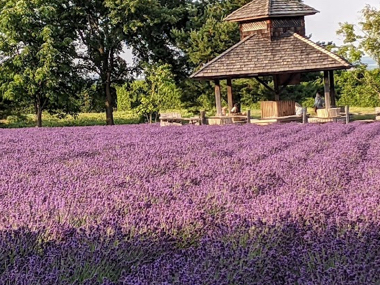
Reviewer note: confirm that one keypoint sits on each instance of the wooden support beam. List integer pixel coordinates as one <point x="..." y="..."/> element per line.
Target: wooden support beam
<point x="347" y="110"/>
<point x="286" y="83"/>
<point x="327" y="90"/>
<point x="229" y="95"/>
<point x="248" y="116"/>
<point x="218" y="98"/>
<point x="277" y="91"/>
<point x="264" y="84"/>
<point x="332" y="89"/>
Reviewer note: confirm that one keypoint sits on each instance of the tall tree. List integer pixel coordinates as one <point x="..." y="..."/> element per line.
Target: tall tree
<point x="101" y="42"/>
<point x="107" y="27"/>
<point x="37" y="50"/>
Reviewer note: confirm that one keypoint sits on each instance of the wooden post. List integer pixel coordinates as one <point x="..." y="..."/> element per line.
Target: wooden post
<point x="217" y="98"/>
<point x="347" y="110"/>
<point x="332" y="88"/>
<point x="202" y="117"/>
<point x="229" y="95"/>
<point x="276" y="81"/>
<point x="304" y="115"/>
<point x="248" y="116"/>
<point x="327" y="90"/>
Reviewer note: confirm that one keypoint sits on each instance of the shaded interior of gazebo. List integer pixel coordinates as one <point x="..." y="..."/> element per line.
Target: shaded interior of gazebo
<point x="273" y="43"/>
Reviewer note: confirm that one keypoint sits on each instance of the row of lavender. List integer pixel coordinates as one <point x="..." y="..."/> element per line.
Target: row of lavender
<point x="287" y="204"/>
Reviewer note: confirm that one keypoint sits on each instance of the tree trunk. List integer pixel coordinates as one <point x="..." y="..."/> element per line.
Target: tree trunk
<point x="39" y="115"/>
<point x="109" y="107"/>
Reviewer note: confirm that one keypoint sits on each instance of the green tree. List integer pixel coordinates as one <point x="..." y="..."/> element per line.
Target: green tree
<point x="37" y="50"/>
<point x="371" y="28"/>
<point x="123" y="99"/>
<point x="101" y="43"/>
<point x="361" y="87"/>
<point x="107" y="27"/>
<point x="149" y="25"/>
<point x="158" y="92"/>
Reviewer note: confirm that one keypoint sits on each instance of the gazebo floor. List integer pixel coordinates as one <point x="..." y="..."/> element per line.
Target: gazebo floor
<point x="327" y="120"/>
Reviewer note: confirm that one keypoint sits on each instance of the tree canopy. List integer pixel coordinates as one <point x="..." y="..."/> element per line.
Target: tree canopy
<point x="37" y="55"/>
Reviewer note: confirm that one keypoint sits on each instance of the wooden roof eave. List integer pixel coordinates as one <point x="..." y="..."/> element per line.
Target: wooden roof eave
<point x="251" y="75"/>
<point x="238" y="20"/>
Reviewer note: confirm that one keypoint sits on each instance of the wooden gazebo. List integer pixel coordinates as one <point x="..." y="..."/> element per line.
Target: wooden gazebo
<point x="273" y="43"/>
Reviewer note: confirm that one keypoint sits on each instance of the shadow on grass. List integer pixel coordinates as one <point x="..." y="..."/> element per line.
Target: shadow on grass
<point x="359" y="117"/>
<point x="260" y="255"/>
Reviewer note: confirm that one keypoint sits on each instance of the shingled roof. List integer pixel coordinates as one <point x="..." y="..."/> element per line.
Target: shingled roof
<point x="256" y="56"/>
<point x="258" y="9"/>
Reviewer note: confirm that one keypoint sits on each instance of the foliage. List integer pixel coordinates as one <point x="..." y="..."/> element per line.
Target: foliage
<point x="123" y="98"/>
<point x="148" y="26"/>
<point x="101" y="41"/>
<point x="129" y="95"/>
<point x="349" y="50"/>
<point x="37" y="55"/>
<point x="371" y="29"/>
<point x="162" y="92"/>
<point x="150" y="205"/>
<point x="361" y="87"/>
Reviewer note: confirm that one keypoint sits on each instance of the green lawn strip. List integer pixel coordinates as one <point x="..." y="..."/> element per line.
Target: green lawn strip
<point x="125" y="118"/>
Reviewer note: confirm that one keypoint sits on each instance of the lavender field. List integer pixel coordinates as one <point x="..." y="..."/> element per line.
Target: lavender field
<point x="285" y="204"/>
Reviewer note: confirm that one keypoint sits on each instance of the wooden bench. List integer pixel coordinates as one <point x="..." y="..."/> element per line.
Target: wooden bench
<point x="170" y="119"/>
<point x="175" y="119"/>
<point x="239" y="119"/>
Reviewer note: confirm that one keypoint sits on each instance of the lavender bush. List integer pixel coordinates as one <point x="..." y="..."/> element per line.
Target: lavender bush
<point x="283" y="204"/>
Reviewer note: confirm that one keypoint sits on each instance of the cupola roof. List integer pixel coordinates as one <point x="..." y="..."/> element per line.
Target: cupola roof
<point x="260" y="9"/>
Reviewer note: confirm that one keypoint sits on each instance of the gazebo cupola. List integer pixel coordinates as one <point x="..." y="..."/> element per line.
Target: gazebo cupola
<point x="271" y="19"/>
<point x="272" y="43"/>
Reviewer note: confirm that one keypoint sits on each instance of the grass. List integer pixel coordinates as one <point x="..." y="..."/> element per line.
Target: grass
<point x="363" y="113"/>
<point x="124" y="118"/>
<point x="83" y="119"/>
<point x="360" y="113"/>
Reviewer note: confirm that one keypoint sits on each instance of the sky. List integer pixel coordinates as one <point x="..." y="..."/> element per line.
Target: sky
<point x="323" y="26"/>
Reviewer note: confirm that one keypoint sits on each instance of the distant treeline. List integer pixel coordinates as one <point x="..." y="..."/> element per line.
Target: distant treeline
<point x="64" y="57"/>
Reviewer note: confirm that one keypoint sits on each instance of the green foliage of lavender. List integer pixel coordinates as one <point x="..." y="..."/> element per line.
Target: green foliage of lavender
<point x="283" y="204"/>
